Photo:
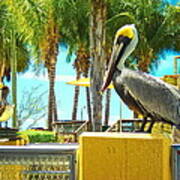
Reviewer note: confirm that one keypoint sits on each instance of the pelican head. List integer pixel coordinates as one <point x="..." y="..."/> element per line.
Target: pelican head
<point x="125" y="41"/>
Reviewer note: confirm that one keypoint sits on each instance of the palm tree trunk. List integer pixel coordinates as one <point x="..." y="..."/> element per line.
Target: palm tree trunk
<point x="107" y="107"/>
<point x="2" y="71"/>
<point x="50" y="62"/>
<point x="14" y="79"/>
<point x="50" y="102"/>
<point x="88" y="99"/>
<point x="55" y="108"/>
<point x="52" y="112"/>
<point x="97" y="53"/>
<point x="76" y="99"/>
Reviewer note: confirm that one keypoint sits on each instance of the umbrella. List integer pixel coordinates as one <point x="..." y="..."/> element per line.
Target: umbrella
<point x="84" y="82"/>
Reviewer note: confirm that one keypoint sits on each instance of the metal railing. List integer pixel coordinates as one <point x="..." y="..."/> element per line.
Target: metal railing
<point x="67" y="126"/>
<point x="125" y="125"/>
<point x="176" y="162"/>
<point x="83" y="128"/>
<point x="69" y="131"/>
<point x="36" y="162"/>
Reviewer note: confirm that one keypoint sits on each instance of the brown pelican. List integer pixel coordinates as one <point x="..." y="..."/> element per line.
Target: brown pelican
<point x="142" y="92"/>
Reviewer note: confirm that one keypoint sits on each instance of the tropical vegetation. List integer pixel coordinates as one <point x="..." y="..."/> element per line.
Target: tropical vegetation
<point x="33" y="29"/>
<point x="38" y="136"/>
<point x="75" y="34"/>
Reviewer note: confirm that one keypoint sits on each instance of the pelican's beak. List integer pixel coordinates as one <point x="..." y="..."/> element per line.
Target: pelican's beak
<point x="111" y="66"/>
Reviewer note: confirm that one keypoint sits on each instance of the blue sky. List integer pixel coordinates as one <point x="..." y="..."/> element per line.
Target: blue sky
<point x="174" y="2"/>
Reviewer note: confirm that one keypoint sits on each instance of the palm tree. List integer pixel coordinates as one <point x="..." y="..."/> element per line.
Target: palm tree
<point x="77" y="89"/>
<point x="85" y="70"/>
<point x="49" y="54"/>
<point x="81" y="64"/>
<point x="108" y="91"/>
<point x="38" y="23"/>
<point x="14" y="77"/>
<point x="12" y="48"/>
<point x="75" y="34"/>
<point x="98" y="56"/>
<point x="22" y="52"/>
<point x="107" y="107"/>
<point x="157" y="24"/>
<point x="158" y="31"/>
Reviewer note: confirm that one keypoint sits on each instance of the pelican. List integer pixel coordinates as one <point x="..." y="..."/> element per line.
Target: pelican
<point x="141" y="92"/>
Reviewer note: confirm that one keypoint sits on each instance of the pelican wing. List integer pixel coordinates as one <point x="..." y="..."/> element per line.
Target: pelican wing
<point x="156" y="96"/>
<point x="129" y="100"/>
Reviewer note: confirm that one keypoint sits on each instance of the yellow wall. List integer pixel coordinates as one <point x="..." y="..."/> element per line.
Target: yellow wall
<point x="122" y="156"/>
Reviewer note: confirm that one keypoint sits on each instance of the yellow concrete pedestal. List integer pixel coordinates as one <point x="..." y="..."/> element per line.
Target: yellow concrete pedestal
<point x="123" y="156"/>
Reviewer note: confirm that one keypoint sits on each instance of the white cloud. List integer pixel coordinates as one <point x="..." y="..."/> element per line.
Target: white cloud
<point x="59" y="78"/>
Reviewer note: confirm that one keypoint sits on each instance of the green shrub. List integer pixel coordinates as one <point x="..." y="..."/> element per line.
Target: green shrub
<point x="36" y="136"/>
